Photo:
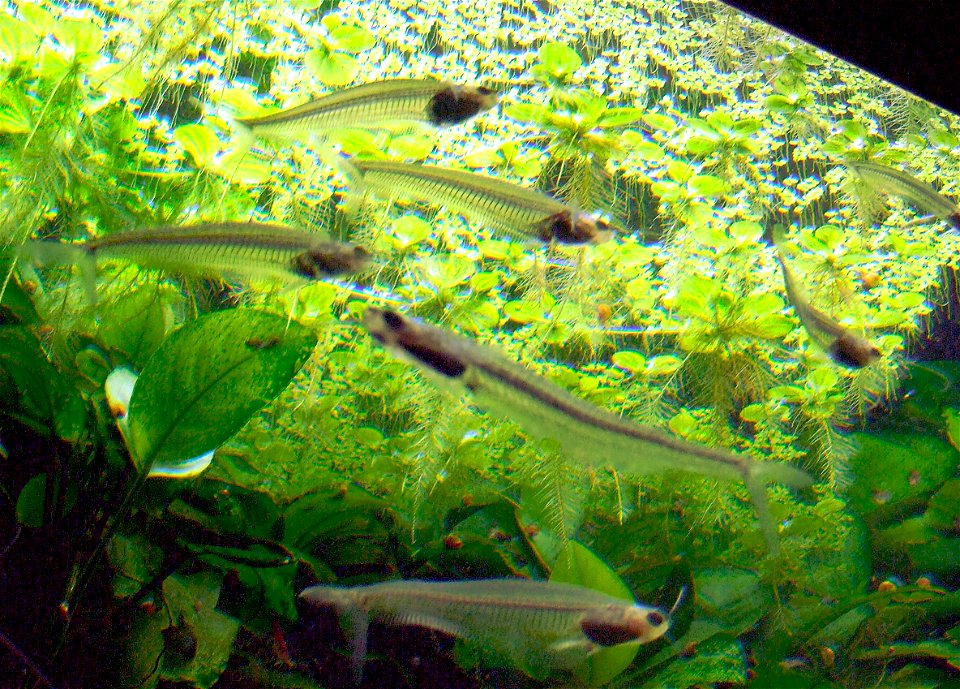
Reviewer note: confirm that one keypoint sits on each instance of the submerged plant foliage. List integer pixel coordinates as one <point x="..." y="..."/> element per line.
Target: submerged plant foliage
<point x="125" y="563"/>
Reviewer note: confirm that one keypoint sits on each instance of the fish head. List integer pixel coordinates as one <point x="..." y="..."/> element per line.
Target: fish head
<point x="326" y="260"/>
<point x="396" y="331"/>
<point x="615" y="624"/>
<point x="571" y="227"/>
<point x="454" y="104"/>
<point x="853" y="351"/>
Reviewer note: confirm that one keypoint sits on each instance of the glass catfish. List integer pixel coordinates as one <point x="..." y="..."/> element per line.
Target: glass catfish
<point x="540" y="626"/>
<point x="244" y="249"/>
<point x="586" y="432"/>
<point x="375" y="105"/>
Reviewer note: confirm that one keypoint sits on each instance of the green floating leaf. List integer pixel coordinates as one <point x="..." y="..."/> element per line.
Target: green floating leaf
<point x="629" y="360"/>
<point x="557" y="60"/>
<point x="199" y="141"/>
<point x="207" y="380"/>
<point x="577" y="564"/>
<point x="410" y="230"/>
<point x="351" y="38"/>
<point x="331" y="67"/>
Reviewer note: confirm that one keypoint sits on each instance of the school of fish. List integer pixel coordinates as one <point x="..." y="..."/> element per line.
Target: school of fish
<point x="540" y="626"/>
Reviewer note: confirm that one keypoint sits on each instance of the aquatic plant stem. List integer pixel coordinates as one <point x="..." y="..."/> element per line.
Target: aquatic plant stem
<point x="75" y="592"/>
<point x="25" y="659"/>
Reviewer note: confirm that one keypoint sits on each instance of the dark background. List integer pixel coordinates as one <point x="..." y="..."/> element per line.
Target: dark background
<point x="912" y="43"/>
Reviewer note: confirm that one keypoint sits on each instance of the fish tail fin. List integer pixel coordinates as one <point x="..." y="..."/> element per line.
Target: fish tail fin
<point x="757" y="477"/>
<point x="50" y="253"/>
<point x="244" y="137"/>
<point x="356" y="186"/>
<point x="353" y="620"/>
<point x="357" y="633"/>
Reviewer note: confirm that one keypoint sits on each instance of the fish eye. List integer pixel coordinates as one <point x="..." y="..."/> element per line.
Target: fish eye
<point x="655" y="618"/>
<point x="393" y="320"/>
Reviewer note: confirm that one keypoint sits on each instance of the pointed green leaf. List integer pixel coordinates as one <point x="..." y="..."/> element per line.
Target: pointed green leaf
<point x="208" y="378"/>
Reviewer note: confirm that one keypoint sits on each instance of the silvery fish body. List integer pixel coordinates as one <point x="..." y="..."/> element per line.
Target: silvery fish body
<point x="243" y="249"/>
<point x="909" y="188"/>
<point x="586" y="433"/>
<point x="517" y="211"/>
<point x="844" y="346"/>
<point x="540" y="626"/>
<point x="375" y="105"/>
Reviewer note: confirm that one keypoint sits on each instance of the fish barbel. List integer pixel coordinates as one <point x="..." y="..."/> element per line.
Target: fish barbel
<point x="539" y="625"/>
<point x="588" y="433"/>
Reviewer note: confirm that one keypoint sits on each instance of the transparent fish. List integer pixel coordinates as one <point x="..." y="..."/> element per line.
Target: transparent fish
<point x="843" y="345"/>
<point x="517" y="211"/>
<point x="375" y="105"/>
<point x="909" y="188"/>
<point x="586" y="432"/>
<point x="541" y="626"/>
<point x="249" y="250"/>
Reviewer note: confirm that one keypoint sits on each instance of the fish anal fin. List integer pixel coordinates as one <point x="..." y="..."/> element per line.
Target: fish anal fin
<point x="357" y="624"/>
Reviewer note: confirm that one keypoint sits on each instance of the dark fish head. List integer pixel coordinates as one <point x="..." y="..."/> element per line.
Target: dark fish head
<point x="613" y="625"/>
<point x="455" y="104"/>
<point x="327" y="260"/>
<point x="398" y="332"/>
<point x="853" y="351"/>
<point x="569" y="227"/>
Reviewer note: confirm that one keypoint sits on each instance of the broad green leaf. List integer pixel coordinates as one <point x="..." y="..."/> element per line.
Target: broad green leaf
<point x="199" y="141"/>
<point x="331" y="67"/>
<point x="619" y="117"/>
<point x="483" y="157"/>
<point x="527" y="112"/>
<point x="136" y="561"/>
<point x="136" y="324"/>
<point x="558" y="59"/>
<point x="718" y="660"/>
<point x="30" y="502"/>
<point x="208" y="378"/>
<point x="629" y="360"/>
<point x="243" y="167"/>
<point x="577" y="564"/>
<point x="351" y="38"/>
<point x="893" y="467"/>
<point x="943" y="511"/>
<point x="523" y="311"/>
<point x="707" y="186"/>
<point x="410" y="230"/>
<point x="659" y="121"/>
<point x="733" y="599"/>
<point x="197" y="645"/>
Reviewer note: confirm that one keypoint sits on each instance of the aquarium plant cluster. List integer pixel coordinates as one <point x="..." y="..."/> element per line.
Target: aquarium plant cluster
<point x="278" y="446"/>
